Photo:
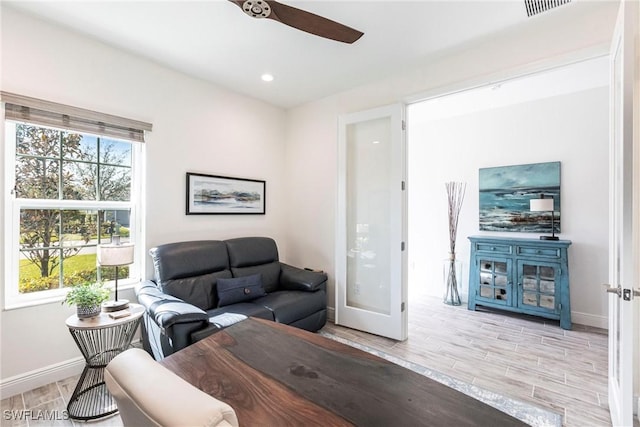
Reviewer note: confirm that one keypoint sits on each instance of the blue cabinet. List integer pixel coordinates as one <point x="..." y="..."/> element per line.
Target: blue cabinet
<point x="522" y="275"/>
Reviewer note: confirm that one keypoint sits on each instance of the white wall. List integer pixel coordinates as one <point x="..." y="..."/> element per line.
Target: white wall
<point x="197" y="127"/>
<point x="571" y="128"/>
<point x="312" y="128"/>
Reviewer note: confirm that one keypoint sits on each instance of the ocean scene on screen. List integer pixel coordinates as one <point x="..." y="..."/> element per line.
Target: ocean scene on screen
<point x="505" y="193"/>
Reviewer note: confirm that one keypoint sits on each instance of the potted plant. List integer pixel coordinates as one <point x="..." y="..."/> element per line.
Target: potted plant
<point x="87" y="298"/>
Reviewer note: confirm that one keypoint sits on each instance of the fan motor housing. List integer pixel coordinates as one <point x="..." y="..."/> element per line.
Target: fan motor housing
<point x="257" y="8"/>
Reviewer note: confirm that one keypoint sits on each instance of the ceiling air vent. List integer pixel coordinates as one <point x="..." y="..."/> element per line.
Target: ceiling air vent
<point x="534" y="7"/>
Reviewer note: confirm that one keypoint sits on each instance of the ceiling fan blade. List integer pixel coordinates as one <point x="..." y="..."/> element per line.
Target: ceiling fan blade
<point x="312" y="23"/>
<point x="299" y="19"/>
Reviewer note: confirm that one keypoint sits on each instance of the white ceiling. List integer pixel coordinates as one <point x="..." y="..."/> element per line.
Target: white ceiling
<point x="570" y="78"/>
<point x="215" y="41"/>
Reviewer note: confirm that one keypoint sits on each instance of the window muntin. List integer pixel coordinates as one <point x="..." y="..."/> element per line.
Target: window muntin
<point x="72" y="191"/>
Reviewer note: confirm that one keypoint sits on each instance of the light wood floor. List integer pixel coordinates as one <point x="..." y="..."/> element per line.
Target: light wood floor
<point x="522" y="357"/>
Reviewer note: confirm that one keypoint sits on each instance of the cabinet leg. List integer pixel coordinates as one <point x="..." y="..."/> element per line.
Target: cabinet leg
<point x="565" y="321"/>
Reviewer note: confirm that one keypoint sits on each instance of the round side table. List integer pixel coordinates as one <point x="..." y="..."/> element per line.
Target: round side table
<point x="99" y="339"/>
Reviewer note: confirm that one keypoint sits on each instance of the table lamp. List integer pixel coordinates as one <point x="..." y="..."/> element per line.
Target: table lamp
<point x="115" y="255"/>
<point x="544" y="205"/>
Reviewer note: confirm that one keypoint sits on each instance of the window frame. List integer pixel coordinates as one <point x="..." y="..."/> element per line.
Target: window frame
<point x="12" y="297"/>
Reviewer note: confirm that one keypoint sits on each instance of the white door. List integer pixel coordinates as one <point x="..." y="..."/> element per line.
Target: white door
<point x="623" y="219"/>
<point x="371" y="285"/>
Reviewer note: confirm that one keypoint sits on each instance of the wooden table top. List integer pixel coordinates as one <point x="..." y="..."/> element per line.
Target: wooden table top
<point x="277" y="375"/>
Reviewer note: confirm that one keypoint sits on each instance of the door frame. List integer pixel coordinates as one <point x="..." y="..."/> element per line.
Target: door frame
<point x="624" y="222"/>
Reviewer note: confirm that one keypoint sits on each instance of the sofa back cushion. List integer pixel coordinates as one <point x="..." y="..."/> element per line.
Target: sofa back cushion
<point x="255" y="255"/>
<point x="200" y="291"/>
<point x="189" y="270"/>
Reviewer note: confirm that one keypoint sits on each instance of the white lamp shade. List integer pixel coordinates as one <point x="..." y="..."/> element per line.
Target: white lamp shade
<point x="541" y="205"/>
<point x="112" y="255"/>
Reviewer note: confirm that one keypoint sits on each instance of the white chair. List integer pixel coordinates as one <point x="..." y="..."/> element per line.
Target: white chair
<point x="148" y="394"/>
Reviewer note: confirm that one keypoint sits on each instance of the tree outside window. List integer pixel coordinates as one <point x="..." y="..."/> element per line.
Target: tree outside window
<point x="55" y="170"/>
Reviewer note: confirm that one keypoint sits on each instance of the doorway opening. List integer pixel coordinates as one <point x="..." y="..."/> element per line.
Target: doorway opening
<point x="555" y="115"/>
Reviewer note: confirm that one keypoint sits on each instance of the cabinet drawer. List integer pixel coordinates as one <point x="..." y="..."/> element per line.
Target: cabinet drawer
<point x="538" y="251"/>
<point x="495" y="248"/>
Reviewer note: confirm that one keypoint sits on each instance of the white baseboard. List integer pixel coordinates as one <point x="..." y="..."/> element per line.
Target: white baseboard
<point x="331" y="314"/>
<point x="590" y="320"/>
<point x="576" y="317"/>
<point x="39" y="377"/>
<point x="43" y="376"/>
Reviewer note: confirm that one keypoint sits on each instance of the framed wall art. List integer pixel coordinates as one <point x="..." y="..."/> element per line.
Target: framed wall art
<point x="221" y="195"/>
<point x="505" y="193"/>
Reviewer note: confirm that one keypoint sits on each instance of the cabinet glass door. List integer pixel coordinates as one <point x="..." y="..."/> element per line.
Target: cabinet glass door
<point x="494" y="280"/>
<point x="537" y="284"/>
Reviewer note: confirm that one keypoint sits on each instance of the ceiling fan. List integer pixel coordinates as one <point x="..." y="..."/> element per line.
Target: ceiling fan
<point x="300" y="19"/>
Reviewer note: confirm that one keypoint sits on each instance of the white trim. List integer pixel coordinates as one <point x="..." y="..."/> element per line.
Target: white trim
<point x="577" y="317"/>
<point x="331" y="315"/>
<point x="139" y="212"/>
<point x="47" y="375"/>
<point x="42" y="376"/>
<point x="10" y="257"/>
<point x="587" y="319"/>
<point x="58" y="295"/>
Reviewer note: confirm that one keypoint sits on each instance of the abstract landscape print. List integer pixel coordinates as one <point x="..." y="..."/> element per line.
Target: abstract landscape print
<point x="212" y="194"/>
<point x="505" y="193"/>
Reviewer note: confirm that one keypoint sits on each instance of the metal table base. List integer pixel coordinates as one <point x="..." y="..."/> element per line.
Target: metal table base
<point x="99" y="339"/>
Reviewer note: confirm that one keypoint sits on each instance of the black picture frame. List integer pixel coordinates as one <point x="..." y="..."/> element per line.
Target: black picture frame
<point x="224" y="195"/>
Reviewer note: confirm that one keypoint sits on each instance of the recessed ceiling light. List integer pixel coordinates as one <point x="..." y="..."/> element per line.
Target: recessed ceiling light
<point x="267" y="77"/>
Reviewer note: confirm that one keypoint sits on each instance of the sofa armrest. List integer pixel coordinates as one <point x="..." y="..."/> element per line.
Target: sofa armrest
<point x="298" y="279"/>
<point x="166" y="310"/>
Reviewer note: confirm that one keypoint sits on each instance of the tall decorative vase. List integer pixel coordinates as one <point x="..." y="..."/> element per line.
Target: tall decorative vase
<point x="452" y="272"/>
<point x="451" y="276"/>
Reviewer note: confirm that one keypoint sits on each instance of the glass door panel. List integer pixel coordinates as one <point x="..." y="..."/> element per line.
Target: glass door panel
<point x="538" y="284"/>
<point x="494" y="281"/>
<point x="368" y="215"/>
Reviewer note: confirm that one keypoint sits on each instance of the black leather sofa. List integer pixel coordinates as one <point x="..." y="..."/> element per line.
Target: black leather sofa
<point x="182" y="303"/>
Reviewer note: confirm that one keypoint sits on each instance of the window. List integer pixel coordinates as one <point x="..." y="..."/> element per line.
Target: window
<point x="71" y="191"/>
